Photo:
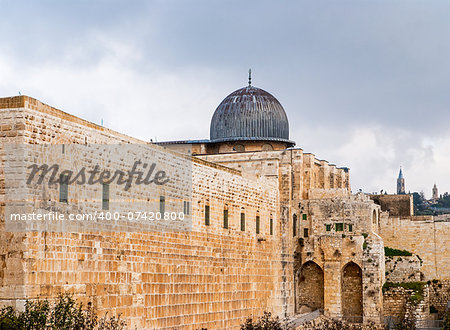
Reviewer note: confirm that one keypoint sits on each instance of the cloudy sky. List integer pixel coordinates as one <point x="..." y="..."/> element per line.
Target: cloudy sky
<point x="365" y="84"/>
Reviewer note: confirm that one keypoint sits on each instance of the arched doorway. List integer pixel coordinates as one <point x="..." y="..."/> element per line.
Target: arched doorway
<point x="310" y="286"/>
<point x="352" y="307"/>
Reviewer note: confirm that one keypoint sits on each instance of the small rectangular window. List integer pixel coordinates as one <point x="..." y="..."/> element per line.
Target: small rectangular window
<point x="162" y="205"/>
<point x="242" y="221"/>
<point x="105" y="196"/>
<point x="305" y="217"/>
<point x="257" y="224"/>
<point x="225" y="219"/>
<point x="328" y="227"/>
<point x="305" y="232"/>
<point x="271" y="226"/>
<point x="63" y="148"/>
<point x="186" y="207"/>
<point x="339" y="227"/>
<point x="206" y="215"/>
<point x="64" y="188"/>
<point x="350" y="228"/>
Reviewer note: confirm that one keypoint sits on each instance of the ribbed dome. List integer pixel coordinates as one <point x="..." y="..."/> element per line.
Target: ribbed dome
<point x="249" y="113"/>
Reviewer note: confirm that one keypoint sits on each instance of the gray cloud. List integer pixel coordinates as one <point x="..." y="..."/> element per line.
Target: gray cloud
<point x="340" y="69"/>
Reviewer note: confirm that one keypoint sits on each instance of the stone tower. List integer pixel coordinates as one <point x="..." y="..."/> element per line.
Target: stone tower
<point x="435" y="192"/>
<point x="400" y="183"/>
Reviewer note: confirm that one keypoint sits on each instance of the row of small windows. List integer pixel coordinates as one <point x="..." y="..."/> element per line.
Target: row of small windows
<point x="64" y="192"/>
<point x="242" y="221"/>
<point x="338" y="227"/>
<point x="64" y="196"/>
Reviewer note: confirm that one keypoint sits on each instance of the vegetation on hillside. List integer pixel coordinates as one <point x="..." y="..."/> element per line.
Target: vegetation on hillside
<point x="66" y="313"/>
<point x="265" y="322"/>
<point x="417" y="287"/>
<point x="424" y="207"/>
<point x="390" y="252"/>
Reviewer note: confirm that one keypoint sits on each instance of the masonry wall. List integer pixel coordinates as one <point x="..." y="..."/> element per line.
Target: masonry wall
<point x="403" y="269"/>
<point x="211" y="277"/>
<point x="352" y="258"/>
<point x="439" y="295"/>
<point x="429" y="239"/>
<point x="396" y="205"/>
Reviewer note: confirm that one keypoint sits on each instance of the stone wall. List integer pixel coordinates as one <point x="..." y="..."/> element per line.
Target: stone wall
<point x="429" y="239"/>
<point x="439" y="295"/>
<point x="352" y="260"/>
<point x="306" y="172"/>
<point x="403" y="269"/>
<point x="396" y="205"/>
<point x="399" y="307"/>
<point x="212" y="277"/>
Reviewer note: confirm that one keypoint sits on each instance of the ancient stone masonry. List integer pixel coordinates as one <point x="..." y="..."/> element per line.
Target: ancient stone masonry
<point x="272" y="230"/>
<point x="211" y="277"/>
<point x="403" y="269"/>
<point x="427" y="237"/>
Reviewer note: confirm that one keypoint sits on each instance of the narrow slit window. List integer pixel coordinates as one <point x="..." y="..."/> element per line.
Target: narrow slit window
<point x="207" y="215"/>
<point x="294" y="225"/>
<point x="350" y="228"/>
<point x="162" y="205"/>
<point x="64" y="188"/>
<point x="328" y="227"/>
<point x="271" y="226"/>
<point x="186" y="207"/>
<point x="225" y="219"/>
<point x="257" y="224"/>
<point x="105" y="196"/>
<point x="242" y="221"/>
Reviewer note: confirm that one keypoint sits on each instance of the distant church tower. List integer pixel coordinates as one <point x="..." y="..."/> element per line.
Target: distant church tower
<point x="435" y="192"/>
<point x="400" y="183"/>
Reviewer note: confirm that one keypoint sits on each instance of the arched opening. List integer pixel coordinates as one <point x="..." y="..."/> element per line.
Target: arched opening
<point x="267" y="147"/>
<point x="309" y="287"/>
<point x="374" y="217"/>
<point x="352" y="307"/>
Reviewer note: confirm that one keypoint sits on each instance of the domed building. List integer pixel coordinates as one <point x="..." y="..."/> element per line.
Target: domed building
<point x="249" y="119"/>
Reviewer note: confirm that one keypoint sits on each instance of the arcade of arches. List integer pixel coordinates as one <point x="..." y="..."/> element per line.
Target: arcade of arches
<point x="310" y="289"/>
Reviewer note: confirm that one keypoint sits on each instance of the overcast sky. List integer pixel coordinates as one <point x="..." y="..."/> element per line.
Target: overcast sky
<point x="365" y="84"/>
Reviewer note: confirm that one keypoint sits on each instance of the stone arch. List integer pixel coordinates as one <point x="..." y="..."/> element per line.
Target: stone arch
<point x="267" y="147"/>
<point x="310" y="285"/>
<point x="352" y="295"/>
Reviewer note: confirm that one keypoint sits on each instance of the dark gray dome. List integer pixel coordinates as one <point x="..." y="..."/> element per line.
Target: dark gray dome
<point x="250" y="113"/>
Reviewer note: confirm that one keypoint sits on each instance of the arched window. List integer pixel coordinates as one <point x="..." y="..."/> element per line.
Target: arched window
<point x="267" y="147"/>
<point x="239" y="148"/>
<point x="374" y="217"/>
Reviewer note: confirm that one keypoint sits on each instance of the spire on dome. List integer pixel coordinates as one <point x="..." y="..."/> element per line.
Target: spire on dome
<point x="400" y="174"/>
<point x="249" y="77"/>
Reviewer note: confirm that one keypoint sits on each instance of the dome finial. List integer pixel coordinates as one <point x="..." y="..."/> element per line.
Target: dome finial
<point x="249" y="77"/>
